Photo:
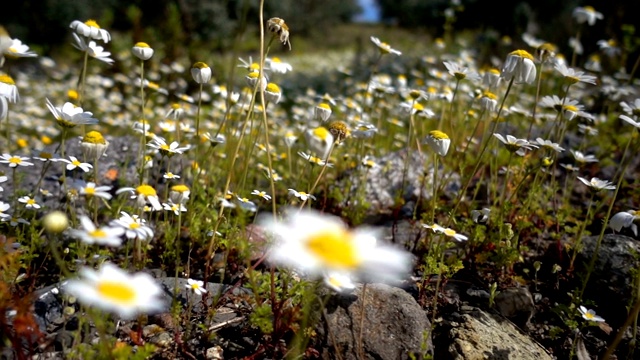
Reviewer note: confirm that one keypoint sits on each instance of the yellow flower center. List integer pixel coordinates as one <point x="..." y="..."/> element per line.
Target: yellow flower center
<point x="117" y="292"/>
<point x="6" y="79"/>
<point x="271" y="87"/>
<point x="490" y="95"/>
<point x="46" y="140"/>
<point x="72" y="95"/>
<point x="276" y="60"/>
<point x="449" y="232"/>
<point x="571" y="79"/>
<point x="92" y="23"/>
<point x="195" y="286"/>
<point x="76" y="162"/>
<point x="321" y="133"/>
<point x="94" y="137"/>
<point x="418" y="107"/>
<point x="438" y="135"/>
<point x="570" y="108"/>
<point x="142" y="45"/>
<point x="146" y="190"/>
<point x="31" y="202"/>
<point x="134" y="225"/>
<point x="180" y="188"/>
<point x="15" y="160"/>
<point x="324" y="106"/>
<point x="200" y="65"/>
<point x="90" y="190"/>
<point x="334" y="247"/>
<point x="522" y="53"/>
<point x="22" y="143"/>
<point x="494" y="71"/>
<point x="176" y="106"/>
<point x="589" y="9"/>
<point x="98" y="233"/>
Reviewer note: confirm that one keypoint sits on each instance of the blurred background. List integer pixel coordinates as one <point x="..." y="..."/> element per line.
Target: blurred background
<point x="202" y="28"/>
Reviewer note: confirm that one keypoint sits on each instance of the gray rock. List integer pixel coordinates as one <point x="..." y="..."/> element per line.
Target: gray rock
<point x="214" y="353"/>
<point x="394" y="325"/>
<point x="477" y="335"/>
<point x="516" y="304"/>
<point x="612" y="279"/>
<point x="384" y="183"/>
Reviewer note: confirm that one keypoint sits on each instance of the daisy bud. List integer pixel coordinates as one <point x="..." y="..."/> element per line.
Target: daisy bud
<point x="272" y="93"/>
<point x="519" y="66"/>
<point x="201" y="72"/>
<point x="142" y="51"/>
<point x="94" y="145"/>
<point x="55" y="222"/>
<point x="322" y="111"/>
<point x="439" y="142"/>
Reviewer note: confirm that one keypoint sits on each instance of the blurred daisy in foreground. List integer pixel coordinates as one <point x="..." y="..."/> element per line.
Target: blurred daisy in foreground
<point x="112" y="289"/>
<point x="317" y="244"/>
<point x="587" y="14"/>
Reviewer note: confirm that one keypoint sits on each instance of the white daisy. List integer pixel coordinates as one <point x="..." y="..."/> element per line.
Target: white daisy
<point x="90" y="234"/>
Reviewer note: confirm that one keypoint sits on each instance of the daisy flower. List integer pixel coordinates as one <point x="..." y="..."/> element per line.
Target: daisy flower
<point x="446" y="231"/>
<point x="143" y="194"/>
<point x="134" y="226"/>
<point x="90" y="29"/>
<point x="3" y="208"/>
<point x="319" y="140"/>
<point x="314" y="159"/>
<point x="262" y="194"/>
<point x="630" y="121"/>
<point x="165" y="149"/>
<point x="3" y="179"/>
<point x="596" y="184"/>
<point x="246" y="204"/>
<point x="363" y="130"/>
<point x="515" y="145"/>
<point x="90" y="234"/>
<point x="278" y="66"/>
<point x="573" y="76"/>
<point x="301" y="195"/>
<point x="175" y="208"/>
<point x="73" y="163"/>
<point x="439" y="142"/>
<point x="519" y="66"/>
<point x="582" y="158"/>
<point x="338" y="282"/>
<point x="624" y="219"/>
<point x="29" y="203"/>
<point x="90" y="190"/>
<point x="589" y="314"/>
<point x="93" y="145"/>
<point x="14" y="160"/>
<point x="19" y="50"/>
<point x="201" y="72"/>
<point x="384" y="47"/>
<point x="170" y="176"/>
<point x="113" y="290"/>
<point x="142" y="51"/>
<point x="215" y="140"/>
<point x="94" y="50"/>
<point x="179" y="193"/>
<point x="631" y="108"/>
<point x="460" y="72"/>
<point x="70" y="115"/>
<point x="317" y="243"/>
<point x="587" y="14"/>
<point x="548" y="144"/>
<point x="197" y="286"/>
<point x="8" y="89"/>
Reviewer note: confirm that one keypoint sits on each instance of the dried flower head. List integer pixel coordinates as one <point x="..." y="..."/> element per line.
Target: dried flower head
<point x="278" y="27"/>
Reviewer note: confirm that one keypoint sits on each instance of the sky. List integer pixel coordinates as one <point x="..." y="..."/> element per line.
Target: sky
<point x="370" y="13"/>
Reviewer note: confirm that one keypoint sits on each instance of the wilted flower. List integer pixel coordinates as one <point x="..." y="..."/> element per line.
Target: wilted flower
<point x="94" y="50"/>
<point x="94" y="145"/>
<point x="278" y="27"/>
<point x="480" y="216"/>
<point x="70" y="115"/>
<point x="272" y="93"/>
<point x="8" y="90"/>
